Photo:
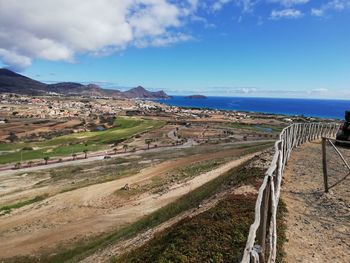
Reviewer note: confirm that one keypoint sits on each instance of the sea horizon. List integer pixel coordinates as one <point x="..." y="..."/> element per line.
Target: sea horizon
<point x="308" y="107"/>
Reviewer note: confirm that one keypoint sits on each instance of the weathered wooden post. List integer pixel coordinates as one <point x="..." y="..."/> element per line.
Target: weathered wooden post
<point x="324" y="162"/>
<point x="265" y="217"/>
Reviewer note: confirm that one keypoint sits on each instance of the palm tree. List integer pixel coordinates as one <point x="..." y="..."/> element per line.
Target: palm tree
<point x="46" y="159"/>
<point x="74" y="156"/>
<point x="148" y="142"/>
<point x="125" y="147"/>
<point x="30" y="163"/>
<point x="85" y="152"/>
<point x="115" y="150"/>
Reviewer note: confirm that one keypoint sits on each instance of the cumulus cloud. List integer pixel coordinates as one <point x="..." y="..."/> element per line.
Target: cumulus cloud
<point x="57" y="30"/>
<point x="286" y="13"/>
<point x="333" y="5"/>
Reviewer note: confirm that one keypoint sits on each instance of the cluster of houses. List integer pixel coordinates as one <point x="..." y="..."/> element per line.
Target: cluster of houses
<point x="26" y="106"/>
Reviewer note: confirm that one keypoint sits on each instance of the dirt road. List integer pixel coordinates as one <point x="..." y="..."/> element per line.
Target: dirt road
<point x="318" y="224"/>
<point x="85" y="212"/>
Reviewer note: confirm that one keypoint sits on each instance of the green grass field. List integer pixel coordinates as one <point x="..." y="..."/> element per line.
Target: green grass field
<point x="77" y="142"/>
<point x="254" y="127"/>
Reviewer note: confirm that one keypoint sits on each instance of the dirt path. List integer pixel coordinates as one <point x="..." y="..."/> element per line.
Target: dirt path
<point x="70" y="216"/>
<point x="318" y="224"/>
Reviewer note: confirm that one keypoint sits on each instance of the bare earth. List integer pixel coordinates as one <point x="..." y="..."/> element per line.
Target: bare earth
<point x="116" y="249"/>
<point x="85" y="212"/>
<point x="318" y="224"/>
<point x="135" y="242"/>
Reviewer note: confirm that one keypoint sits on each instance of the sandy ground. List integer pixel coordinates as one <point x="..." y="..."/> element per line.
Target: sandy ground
<point x="116" y="249"/>
<point x="85" y="212"/>
<point x="141" y="239"/>
<point x="318" y="224"/>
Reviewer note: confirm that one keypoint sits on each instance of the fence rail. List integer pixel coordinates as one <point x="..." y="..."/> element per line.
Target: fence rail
<point x="262" y="238"/>
<point x="324" y="161"/>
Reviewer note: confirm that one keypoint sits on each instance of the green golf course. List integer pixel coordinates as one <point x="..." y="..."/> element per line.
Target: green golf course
<point x="77" y="143"/>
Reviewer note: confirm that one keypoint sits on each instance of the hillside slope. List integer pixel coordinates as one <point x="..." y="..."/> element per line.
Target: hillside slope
<point x="11" y="82"/>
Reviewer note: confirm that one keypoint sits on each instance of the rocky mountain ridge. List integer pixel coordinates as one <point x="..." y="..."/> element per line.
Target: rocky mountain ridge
<point x="11" y="82"/>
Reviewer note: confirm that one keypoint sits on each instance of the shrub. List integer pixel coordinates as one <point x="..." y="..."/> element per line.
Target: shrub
<point x="27" y="148"/>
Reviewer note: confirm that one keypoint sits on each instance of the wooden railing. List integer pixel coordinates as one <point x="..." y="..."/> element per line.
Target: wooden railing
<point x="262" y="238"/>
<point x="326" y="140"/>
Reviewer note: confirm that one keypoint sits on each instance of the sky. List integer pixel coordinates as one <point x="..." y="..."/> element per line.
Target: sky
<point x="259" y="48"/>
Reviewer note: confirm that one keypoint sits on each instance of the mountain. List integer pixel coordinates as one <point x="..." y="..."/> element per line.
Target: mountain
<point x="11" y="82"/>
<point x="141" y="92"/>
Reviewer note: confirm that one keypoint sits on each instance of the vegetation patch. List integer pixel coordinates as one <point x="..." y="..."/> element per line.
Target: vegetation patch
<point x="78" y="142"/>
<point x="281" y="233"/>
<point x="255" y="127"/>
<point x="63" y="173"/>
<point x="217" y="235"/>
<point x="8" y="208"/>
<point x="160" y="184"/>
<point x="200" y="167"/>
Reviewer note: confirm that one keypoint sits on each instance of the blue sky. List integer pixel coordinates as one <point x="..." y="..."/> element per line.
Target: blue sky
<point x="271" y="48"/>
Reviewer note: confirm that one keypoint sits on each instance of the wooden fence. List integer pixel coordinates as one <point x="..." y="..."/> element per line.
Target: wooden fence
<point x="326" y="140"/>
<point x="262" y="239"/>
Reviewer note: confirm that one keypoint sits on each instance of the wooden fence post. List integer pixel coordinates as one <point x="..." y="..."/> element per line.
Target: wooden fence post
<point x="324" y="162"/>
<point x="265" y="220"/>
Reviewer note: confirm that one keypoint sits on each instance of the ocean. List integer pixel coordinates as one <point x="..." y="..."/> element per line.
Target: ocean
<point x="307" y="107"/>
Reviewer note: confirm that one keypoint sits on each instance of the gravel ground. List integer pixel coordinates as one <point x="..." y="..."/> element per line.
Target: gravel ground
<point x="318" y="224"/>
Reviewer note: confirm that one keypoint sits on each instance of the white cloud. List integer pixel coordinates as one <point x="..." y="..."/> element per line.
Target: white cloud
<point x="247" y="5"/>
<point x="219" y="4"/>
<point x="286" y="13"/>
<point x="289" y="3"/>
<point x="317" y="12"/>
<point x="15" y="61"/>
<point x="232" y="90"/>
<point x="333" y="5"/>
<point x="318" y="91"/>
<point x="57" y="30"/>
<point x="162" y="41"/>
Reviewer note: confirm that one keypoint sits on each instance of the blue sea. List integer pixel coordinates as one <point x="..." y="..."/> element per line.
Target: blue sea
<point x="306" y="107"/>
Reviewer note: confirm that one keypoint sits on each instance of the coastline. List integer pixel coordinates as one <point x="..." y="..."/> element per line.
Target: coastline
<point x="293" y="107"/>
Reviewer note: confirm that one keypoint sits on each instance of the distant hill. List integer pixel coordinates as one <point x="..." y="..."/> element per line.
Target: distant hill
<point x="11" y="82"/>
<point x="143" y="93"/>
